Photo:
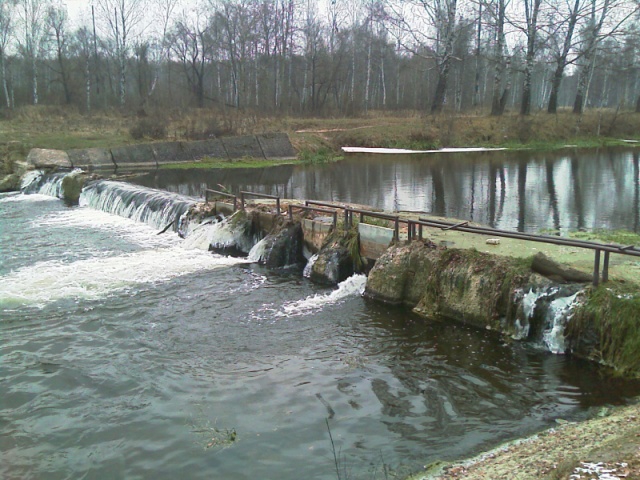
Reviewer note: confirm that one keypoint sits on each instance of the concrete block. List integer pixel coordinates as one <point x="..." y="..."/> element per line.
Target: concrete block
<point x="205" y="148"/>
<point x="169" y="152"/>
<point x="314" y="232"/>
<point x="134" y="157"/>
<point x="276" y="145"/>
<point x="91" y="158"/>
<point x="245" y="146"/>
<point x="374" y="240"/>
<point x="44" y="158"/>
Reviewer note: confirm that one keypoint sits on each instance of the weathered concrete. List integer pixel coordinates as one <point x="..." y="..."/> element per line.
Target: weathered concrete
<point x="44" y="158"/>
<point x="246" y="146"/>
<point x="91" y="158"/>
<point x="134" y="156"/>
<point x="276" y="145"/>
<point x="315" y="232"/>
<point x="205" y="148"/>
<point x="170" y="152"/>
<point x="374" y="240"/>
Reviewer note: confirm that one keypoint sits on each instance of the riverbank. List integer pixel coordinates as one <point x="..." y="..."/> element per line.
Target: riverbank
<point x="315" y="139"/>
<point x="607" y="444"/>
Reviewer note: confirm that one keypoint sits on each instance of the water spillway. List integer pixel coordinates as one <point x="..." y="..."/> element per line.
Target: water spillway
<point x="141" y="204"/>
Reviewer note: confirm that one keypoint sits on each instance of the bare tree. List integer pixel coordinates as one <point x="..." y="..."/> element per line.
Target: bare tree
<point x="32" y="14"/>
<point x="530" y="29"/>
<point x="122" y="18"/>
<point x="191" y="45"/>
<point x="57" y="24"/>
<point x="562" y="30"/>
<point x="6" y="30"/>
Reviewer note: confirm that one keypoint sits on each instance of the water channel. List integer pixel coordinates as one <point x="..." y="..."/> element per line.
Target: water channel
<point x="126" y="354"/>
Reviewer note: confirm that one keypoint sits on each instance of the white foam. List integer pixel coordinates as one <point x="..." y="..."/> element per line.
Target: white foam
<point x="95" y="278"/>
<point x="352" y="286"/>
<point x="35" y="197"/>
<point x="219" y="235"/>
<point x="87" y="218"/>
<point x="256" y="254"/>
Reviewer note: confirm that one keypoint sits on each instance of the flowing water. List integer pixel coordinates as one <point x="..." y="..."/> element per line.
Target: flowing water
<point x="127" y="354"/>
<point x="524" y="191"/>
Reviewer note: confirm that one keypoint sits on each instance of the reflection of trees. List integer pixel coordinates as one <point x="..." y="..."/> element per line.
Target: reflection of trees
<point x="577" y="192"/>
<point x="590" y="187"/>
<point x="522" y="188"/>
<point x="553" y="196"/>
<point x="636" y="191"/>
<point x="438" y="191"/>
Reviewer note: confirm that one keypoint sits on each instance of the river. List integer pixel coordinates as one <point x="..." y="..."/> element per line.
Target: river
<point x="523" y="191"/>
<point x="126" y="354"/>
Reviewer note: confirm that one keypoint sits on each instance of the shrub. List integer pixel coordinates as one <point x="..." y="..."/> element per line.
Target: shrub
<point x="154" y="128"/>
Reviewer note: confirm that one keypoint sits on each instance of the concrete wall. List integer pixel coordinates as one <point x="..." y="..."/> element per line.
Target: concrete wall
<point x="315" y="232"/>
<point x="152" y="155"/>
<point x="374" y="240"/>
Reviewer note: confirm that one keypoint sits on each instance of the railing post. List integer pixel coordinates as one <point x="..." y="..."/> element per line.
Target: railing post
<point x="605" y="268"/>
<point x="235" y="204"/>
<point x="206" y="195"/>
<point x="335" y="219"/>
<point x="396" y="230"/>
<point x="409" y="230"/>
<point x="420" y="231"/>
<point x="290" y="213"/>
<point x="596" y="269"/>
<point x="242" y="200"/>
<point x="278" y="204"/>
<point x="346" y="218"/>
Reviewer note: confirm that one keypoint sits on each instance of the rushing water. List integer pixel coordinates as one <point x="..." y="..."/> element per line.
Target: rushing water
<point x="126" y="354"/>
<point x="521" y="191"/>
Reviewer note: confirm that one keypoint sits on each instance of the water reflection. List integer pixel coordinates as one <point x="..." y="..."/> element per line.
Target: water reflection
<point x="521" y="191"/>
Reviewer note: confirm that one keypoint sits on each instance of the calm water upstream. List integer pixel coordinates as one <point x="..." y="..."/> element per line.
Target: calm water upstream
<point x="125" y="354"/>
<point x="524" y="191"/>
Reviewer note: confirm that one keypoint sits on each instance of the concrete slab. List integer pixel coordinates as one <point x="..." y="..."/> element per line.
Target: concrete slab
<point x="315" y="232"/>
<point x="205" y="148"/>
<point x="91" y="158"/>
<point x="245" y="146"/>
<point x="169" y="152"/>
<point x="45" y="158"/>
<point x="374" y="240"/>
<point x="276" y="145"/>
<point x="134" y="157"/>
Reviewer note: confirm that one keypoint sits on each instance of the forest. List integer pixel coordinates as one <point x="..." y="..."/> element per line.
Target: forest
<point x="322" y="58"/>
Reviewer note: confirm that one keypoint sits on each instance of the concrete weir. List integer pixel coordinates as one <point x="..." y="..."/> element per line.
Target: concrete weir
<point x="532" y="298"/>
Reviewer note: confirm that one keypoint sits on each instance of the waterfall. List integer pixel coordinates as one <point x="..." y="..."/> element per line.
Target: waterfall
<point x="256" y="254"/>
<point x="230" y="236"/>
<point x="544" y="312"/>
<point x="309" y="266"/>
<point x="153" y="207"/>
<point x="44" y="184"/>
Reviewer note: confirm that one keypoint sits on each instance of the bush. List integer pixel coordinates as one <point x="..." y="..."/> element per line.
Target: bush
<point x="154" y="128"/>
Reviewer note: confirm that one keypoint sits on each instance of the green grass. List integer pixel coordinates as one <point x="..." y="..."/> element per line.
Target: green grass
<point x="246" y="162"/>
<point x="621" y="237"/>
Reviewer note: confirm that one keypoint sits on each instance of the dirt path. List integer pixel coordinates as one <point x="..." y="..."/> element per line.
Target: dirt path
<point x="604" y="448"/>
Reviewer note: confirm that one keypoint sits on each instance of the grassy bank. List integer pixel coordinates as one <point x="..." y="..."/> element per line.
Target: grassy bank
<point x="317" y="138"/>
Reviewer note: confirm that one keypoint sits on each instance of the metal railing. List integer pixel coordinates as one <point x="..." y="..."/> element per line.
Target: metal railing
<point x="333" y="213"/>
<point x="218" y="193"/>
<point x="259" y="195"/>
<point x="415" y="229"/>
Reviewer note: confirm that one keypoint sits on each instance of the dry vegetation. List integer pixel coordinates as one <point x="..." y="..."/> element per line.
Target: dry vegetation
<point x="65" y="128"/>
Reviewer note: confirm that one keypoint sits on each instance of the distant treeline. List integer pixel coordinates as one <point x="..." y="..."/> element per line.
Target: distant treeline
<point x="328" y="57"/>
